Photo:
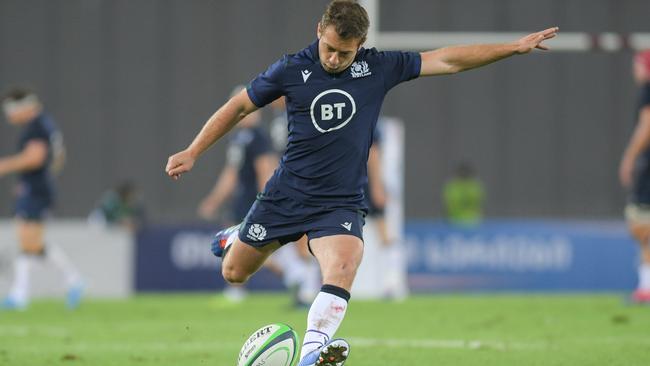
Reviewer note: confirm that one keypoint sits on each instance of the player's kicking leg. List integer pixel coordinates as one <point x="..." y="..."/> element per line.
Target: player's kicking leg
<point x="240" y="260"/>
<point x="339" y="257"/>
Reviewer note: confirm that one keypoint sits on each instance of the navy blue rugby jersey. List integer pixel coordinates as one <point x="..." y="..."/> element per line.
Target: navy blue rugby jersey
<point x="39" y="182"/>
<point x="246" y="145"/>
<point x="331" y="121"/>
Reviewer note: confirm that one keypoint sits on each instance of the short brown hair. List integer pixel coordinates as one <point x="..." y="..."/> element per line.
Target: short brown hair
<point x="16" y="94"/>
<point x="350" y="20"/>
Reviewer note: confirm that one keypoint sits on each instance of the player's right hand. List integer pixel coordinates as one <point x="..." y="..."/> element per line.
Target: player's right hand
<point x="534" y="40"/>
<point x="179" y="163"/>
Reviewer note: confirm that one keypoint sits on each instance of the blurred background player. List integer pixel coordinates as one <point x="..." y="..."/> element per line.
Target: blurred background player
<point x="634" y="174"/>
<point x="463" y="196"/>
<point x="250" y="162"/>
<point x="390" y="279"/>
<point x="40" y="153"/>
<point x="119" y="206"/>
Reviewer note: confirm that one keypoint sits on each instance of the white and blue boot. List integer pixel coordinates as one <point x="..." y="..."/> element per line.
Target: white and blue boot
<point x="74" y="295"/>
<point x="333" y="353"/>
<point x="223" y="239"/>
<point x="11" y="304"/>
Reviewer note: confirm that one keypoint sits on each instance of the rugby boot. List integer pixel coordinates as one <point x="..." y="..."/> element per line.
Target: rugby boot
<point x="333" y="353"/>
<point x="74" y="295"/>
<point x="223" y="239"/>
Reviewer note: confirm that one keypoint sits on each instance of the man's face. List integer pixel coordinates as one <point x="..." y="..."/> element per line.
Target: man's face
<point x="335" y="53"/>
<point x="19" y="113"/>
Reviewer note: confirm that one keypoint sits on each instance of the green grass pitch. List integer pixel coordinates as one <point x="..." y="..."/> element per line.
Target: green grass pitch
<point x="184" y="329"/>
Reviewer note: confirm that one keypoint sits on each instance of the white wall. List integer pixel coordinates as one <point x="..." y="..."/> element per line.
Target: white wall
<point x="103" y="256"/>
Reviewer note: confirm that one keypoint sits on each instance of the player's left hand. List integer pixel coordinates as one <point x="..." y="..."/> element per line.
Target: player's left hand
<point x="534" y="40"/>
<point x="179" y="163"/>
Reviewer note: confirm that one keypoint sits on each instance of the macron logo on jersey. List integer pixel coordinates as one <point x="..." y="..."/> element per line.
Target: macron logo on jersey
<point x="347" y="225"/>
<point x="305" y="75"/>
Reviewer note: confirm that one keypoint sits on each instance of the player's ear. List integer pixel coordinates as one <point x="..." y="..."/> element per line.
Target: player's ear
<point x="361" y="42"/>
<point x="318" y="30"/>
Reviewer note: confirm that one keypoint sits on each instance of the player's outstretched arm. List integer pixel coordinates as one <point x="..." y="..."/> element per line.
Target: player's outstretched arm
<point x="450" y="60"/>
<point x="639" y="141"/>
<point x="221" y="122"/>
<point x="32" y="157"/>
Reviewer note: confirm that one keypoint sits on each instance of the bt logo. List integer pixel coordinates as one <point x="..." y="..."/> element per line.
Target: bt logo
<point x="332" y="110"/>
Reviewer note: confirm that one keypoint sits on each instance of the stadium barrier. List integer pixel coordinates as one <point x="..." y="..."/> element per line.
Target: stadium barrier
<point x="528" y="255"/>
<point x="178" y="258"/>
<point x="513" y="255"/>
<point x="509" y="255"/>
<point x="103" y="256"/>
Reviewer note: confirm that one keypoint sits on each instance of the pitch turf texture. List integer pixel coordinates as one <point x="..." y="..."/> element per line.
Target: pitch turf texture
<point x="160" y="330"/>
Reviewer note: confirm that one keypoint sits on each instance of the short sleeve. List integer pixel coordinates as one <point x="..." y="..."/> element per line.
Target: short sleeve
<point x="267" y="86"/>
<point x="399" y="67"/>
<point x="644" y="100"/>
<point x="37" y="133"/>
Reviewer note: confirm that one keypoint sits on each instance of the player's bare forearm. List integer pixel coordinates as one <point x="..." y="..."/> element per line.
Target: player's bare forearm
<point x="14" y="164"/>
<point x="640" y="140"/>
<point x="223" y="188"/>
<point x="31" y="158"/>
<point x="222" y="121"/>
<point x="218" y="125"/>
<point x="450" y="60"/>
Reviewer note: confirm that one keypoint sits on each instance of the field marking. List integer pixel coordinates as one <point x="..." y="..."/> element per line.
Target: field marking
<point x="219" y="345"/>
<point x="58" y="333"/>
<point x="30" y="331"/>
<point x="446" y="344"/>
<point x="129" y="346"/>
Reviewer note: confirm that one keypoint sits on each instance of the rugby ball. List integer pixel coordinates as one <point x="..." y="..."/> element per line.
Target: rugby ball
<point x="272" y="345"/>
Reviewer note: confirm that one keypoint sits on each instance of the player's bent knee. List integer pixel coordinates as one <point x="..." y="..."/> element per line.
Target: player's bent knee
<point x="343" y="269"/>
<point x="32" y="248"/>
<point x="233" y="276"/>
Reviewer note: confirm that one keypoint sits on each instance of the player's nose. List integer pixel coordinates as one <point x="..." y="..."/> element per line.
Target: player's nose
<point x="334" y="59"/>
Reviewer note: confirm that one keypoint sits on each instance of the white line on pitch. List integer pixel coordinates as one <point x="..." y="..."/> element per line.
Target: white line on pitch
<point x="445" y="343"/>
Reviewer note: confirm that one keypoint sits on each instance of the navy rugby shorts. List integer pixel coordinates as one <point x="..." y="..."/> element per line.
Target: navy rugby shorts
<point x="284" y="219"/>
<point x="32" y="208"/>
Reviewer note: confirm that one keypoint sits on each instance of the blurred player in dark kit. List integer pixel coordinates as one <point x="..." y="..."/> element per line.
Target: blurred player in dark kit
<point x="40" y="153"/>
<point x="634" y="173"/>
<point x="250" y="161"/>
